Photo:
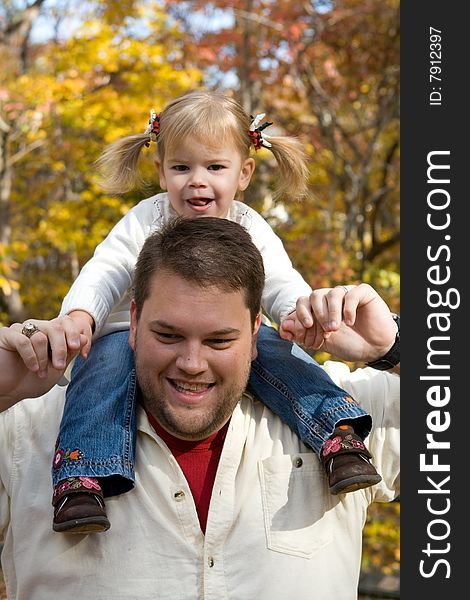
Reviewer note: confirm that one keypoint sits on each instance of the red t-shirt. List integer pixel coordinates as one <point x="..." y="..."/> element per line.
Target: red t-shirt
<point x="198" y="461"/>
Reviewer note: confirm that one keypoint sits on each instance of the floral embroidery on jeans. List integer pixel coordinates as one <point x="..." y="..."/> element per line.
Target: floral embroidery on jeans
<point x="68" y="455"/>
<point x="58" y="458"/>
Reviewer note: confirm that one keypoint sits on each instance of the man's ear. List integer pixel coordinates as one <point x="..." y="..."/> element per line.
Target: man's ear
<point x="133" y="325"/>
<point x="246" y="172"/>
<point x="160" y="173"/>
<point x="256" y="326"/>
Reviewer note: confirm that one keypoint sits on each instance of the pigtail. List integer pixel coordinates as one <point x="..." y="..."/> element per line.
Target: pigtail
<point x="291" y="181"/>
<point x="290" y="157"/>
<point x="118" y="164"/>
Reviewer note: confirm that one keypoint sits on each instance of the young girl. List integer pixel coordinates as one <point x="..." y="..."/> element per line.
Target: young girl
<point x="203" y="158"/>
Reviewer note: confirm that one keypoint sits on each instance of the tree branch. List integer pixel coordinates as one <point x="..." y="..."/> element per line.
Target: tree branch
<point x="22" y="153"/>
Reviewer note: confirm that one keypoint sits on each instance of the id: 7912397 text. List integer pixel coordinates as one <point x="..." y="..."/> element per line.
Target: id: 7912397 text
<point x="435" y="66"/>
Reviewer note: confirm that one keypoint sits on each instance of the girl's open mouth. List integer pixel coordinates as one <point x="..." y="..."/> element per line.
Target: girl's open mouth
<point x="199" y="201"/>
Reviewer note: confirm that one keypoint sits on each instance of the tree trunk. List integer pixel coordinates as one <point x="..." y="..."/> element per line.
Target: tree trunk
<point x="10" y="303"/>
<point x="14" y="37"/>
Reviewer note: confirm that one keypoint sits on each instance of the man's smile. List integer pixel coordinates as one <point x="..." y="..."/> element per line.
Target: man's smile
<point x="185" y="386"/>
<point x="190" y="393"/>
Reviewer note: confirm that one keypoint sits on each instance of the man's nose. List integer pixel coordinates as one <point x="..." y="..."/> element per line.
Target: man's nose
<point x="192" y="359"/>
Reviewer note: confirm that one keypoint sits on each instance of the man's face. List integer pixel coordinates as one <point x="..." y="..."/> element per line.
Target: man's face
<point x="193" y="351"/>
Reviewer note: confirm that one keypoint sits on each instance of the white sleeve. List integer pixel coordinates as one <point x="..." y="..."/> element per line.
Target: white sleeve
<point x="7" y="429"/>
<point x="106" y="277"/>
<point x="283" y="284"/>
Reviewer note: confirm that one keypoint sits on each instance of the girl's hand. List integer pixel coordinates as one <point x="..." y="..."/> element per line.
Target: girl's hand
<point x="84" y="324"/>
<point x="301" y="327"/>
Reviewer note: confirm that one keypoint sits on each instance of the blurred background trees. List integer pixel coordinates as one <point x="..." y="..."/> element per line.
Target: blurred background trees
<point x="77" y="75"/>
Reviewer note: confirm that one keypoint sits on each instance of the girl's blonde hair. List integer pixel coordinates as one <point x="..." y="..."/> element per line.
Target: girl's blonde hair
<point x="213" y="119"/>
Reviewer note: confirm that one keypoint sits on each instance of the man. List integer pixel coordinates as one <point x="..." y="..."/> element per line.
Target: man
<point x="272" y="529"/>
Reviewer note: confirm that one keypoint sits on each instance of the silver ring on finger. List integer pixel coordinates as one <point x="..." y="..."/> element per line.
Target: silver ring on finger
<point x="29" y="329"/>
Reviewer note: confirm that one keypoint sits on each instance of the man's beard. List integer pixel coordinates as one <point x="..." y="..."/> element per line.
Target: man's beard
<point x="200" y="426"/>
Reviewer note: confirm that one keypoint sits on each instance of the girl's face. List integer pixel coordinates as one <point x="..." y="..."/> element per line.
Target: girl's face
<point x="203" y="181"/>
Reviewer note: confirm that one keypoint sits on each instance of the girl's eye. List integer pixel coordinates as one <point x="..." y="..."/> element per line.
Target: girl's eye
<point x="216" y="167"/>
<point x="179" y="167"/>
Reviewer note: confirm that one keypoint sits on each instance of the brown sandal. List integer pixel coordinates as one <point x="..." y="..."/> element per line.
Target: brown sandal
<point x="347" y="462"/>
<point x="79" y="506"/>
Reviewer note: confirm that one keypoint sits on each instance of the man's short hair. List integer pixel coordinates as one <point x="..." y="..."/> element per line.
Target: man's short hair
<point x="207" y="251"/>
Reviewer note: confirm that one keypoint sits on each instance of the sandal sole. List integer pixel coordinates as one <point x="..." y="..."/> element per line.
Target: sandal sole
<point x="355" y="483"/>
<point x="87" y="525"/>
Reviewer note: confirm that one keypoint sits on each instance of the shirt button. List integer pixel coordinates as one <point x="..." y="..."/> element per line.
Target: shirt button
<point x="179" y="495"/>
<point x="298" y="462"/>
<point x="210" y="561"/>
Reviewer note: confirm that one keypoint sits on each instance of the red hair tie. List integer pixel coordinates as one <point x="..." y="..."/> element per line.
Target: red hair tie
<point x="255" y="132"/>
<point x="153" y="127"/>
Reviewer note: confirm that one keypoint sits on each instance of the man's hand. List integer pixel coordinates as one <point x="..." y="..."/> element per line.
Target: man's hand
<point x="351" y="322"/>
<point x="31" y="366"/>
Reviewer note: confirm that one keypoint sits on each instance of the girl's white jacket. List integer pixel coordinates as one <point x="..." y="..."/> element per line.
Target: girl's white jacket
<point x="103" y="286"/>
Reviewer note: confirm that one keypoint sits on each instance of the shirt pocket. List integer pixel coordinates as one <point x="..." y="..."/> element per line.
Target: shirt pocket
<point x="293" y="494"/>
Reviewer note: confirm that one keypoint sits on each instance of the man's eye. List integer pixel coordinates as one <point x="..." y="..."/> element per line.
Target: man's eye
<point x="167" y="337"/>
<point x="220" y="342"/>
